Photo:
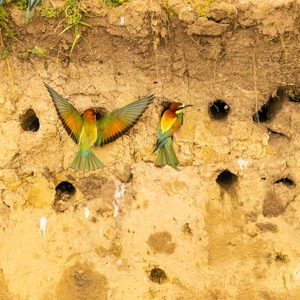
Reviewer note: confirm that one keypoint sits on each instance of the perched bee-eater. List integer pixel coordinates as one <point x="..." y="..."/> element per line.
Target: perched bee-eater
<point x="87" y="131"/>
<point x="171" y="120"/>
<point x="30" y="9"/>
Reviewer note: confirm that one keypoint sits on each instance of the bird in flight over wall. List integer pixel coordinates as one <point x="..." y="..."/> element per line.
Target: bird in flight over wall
<point x="87" y="131"/>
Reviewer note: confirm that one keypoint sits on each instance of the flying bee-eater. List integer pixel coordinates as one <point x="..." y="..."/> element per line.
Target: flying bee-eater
<point x="171" y="120"/>
<point x="87" y="131"/>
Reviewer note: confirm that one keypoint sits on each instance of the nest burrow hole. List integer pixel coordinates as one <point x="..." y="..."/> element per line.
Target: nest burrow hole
<point x="157" y="275"/>
<point x="64" y="188"/>
<point x="218" y="109"/>
<point x="270" y="109"/>
<point x="64" y="192"/>
<point x="100" y="112"/>
<point x="29" y="121"/>
<point x="226" y="178"/>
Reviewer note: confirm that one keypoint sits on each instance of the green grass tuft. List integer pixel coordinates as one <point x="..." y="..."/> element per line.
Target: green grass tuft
<point x="5" y="23"/>
<point x="74" y="14"/>
<point x="113" y="3"/>
<point x="168" y="10"/>
<point x="50" y="12"/>
<point x="22" y="4"/>
<point x="201" y="6"/>
<point x="38" y="51"/>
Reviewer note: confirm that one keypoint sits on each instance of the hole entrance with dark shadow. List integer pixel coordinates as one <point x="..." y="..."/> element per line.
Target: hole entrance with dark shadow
<point x="218" y="109"/>
<point x="64" y="192"/>
<point x="285" y="180"/>
<point x="262" y="115"/>
<point x="157" y="275"/>
<point x="29" y="121"/>
<point x="100" y="112"/>
<point x="165" y="105"/>
<point x="269" y="110"/>
<point x="226" y="179"/>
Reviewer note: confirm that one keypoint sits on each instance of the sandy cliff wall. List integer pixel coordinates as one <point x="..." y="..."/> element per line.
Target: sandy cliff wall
<point x="226" y="226"/>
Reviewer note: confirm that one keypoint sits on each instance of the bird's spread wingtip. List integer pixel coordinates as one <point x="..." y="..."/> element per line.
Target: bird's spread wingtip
<point x="150" y="97"/>
<point x="46" y="86"/>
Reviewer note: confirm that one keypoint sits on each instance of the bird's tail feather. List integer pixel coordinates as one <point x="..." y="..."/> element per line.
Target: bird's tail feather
<point x="167" y="156"/>
<point x="86" y="160"/>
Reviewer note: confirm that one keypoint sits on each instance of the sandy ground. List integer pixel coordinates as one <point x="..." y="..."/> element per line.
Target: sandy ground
<point x="224" y="227"/>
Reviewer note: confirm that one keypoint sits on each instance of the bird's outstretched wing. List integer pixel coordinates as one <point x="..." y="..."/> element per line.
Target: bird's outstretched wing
<point x="68" y="114"/>
<point x="114" y="124"/>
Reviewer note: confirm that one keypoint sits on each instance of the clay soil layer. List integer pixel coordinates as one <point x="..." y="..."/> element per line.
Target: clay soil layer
<point x="226" y="226"/>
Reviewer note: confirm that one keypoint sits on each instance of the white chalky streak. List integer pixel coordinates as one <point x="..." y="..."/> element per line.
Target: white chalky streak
<point x="243" y="164"/>
<point x="122" y="21"/>
<point x="119" y="192"/>
<point x="86" y="212"/>
<point x="42" y="230"/>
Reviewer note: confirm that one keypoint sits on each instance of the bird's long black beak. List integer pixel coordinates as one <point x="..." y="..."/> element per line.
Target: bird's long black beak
<point x="185" y="106"/>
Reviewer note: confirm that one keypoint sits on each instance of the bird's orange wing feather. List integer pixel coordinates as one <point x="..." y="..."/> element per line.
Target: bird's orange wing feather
<point x="114" y="124"/>
<point x="68" y="114"/>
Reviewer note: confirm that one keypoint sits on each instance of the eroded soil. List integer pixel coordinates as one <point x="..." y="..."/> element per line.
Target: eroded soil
<point x="226" y="226"/>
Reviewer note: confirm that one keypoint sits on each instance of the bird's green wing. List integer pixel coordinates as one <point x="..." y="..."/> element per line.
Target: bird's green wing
<point x="114" y="124"/>
<point x="68" y="114"/>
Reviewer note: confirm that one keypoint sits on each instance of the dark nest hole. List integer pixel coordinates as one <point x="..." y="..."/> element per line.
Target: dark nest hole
<point x="100" y="112"/>
<point x="218" y="109"/>
<point x="64" y="192"/>
<point x="263" y="114"/>
<point x="286" y="181"/>
<point x="29" y="121"/>
<point x="157" y="275"/>
<point x="226" y="179"/>
<point x="270" y="109"/>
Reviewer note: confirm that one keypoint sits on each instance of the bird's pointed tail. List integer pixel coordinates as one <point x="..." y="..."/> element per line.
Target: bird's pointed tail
<point x="166" y="155"/>
<point x="86" y="160"/>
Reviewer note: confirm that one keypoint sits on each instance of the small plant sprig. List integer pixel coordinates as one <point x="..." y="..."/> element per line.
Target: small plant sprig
<point x="5" y="22"/>
<point x="113" y="3"/>
<point x="74" y="14"/>
<point x="38" y="51"/>
<point x="7" y="33"/>
<point x="168" y="10"/>
<point x="22" y="4"/>
<point x="51" y="12"/>
<point x="201" y="6"/>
